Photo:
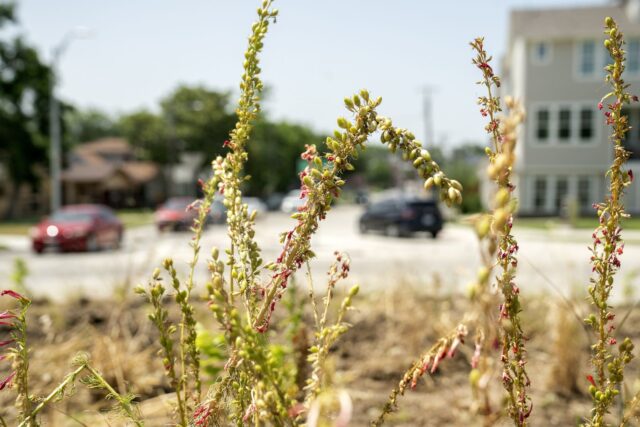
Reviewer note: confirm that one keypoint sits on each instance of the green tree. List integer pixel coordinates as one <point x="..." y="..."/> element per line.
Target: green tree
<point x="463" y="163"/>
<point x="25" y="87"/>
<point x="198" y="119"/>
<point x="147" y="133"/>
<point x="273" y="154"/>
<point x="84" y="125"/>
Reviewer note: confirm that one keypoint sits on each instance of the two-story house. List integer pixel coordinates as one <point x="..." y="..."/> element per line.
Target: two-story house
<point x="554" y="66"/>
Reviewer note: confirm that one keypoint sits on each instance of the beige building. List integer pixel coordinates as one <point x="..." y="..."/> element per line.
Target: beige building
<point x="554" y="66"/>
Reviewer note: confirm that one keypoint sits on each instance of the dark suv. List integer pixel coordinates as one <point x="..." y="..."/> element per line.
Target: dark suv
<point x="402" y="216"/>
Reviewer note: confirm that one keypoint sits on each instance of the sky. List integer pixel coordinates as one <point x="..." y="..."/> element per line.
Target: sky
<point x="317" y="53"/>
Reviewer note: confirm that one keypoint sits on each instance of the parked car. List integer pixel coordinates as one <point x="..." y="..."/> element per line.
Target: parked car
<point x="292" y="202"/>
<point x="274" y="201"/>
<point x="402" y="216"/>
<point x="218" y="213"/>
<point x="255" y="204"/>
<point x="79" y="228"/>
<point x="173" y="214"/>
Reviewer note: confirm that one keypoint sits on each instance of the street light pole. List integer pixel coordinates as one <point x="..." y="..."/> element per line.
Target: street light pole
<point x="55" y="149"/>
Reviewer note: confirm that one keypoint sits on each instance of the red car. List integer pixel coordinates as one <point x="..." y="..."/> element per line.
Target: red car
<point x="174" y="215"/>
<point x="78" y="228"/>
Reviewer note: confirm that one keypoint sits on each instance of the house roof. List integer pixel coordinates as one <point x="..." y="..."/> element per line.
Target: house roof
<point x="105" y="145"/>
<point x="570" y="23"/>
<point x="93" y="164"/>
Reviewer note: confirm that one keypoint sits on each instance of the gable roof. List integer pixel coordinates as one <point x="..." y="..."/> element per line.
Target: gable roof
<point x="94" y="165"/>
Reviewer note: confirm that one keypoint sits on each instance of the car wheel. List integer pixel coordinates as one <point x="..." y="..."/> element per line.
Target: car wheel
<point x="362" y="228"/>
<point x="92" y="243"/>
<point x="392" y="230"/>
<point x="118" y="242"/>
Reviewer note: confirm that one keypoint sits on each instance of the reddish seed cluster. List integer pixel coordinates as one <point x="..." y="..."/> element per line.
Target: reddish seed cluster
<point x="431" y="361"/>
<point x="202" y="415"/>
<point x="5" y="320"/>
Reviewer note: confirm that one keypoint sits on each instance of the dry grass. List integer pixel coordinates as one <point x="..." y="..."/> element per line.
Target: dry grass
<point x="389" y="329"/>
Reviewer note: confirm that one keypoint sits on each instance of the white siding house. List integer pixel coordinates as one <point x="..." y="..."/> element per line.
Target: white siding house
<point x="554" y="66"/>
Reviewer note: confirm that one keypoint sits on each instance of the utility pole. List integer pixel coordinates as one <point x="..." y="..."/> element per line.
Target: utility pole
<point x="55" y="149"/>
<point x="427" y="114"/>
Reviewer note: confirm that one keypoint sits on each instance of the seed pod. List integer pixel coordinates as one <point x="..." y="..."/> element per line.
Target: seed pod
<point x="482" y="226"/>
<point x="451" y="194"/>
<point x="428" y="184"/>
<point x="500" y="218"/>
<point x="342" y="122"/>
<point x="425" y="155"/>
<point x="456" y="184"/>
<point x="502" y="197"/>
<point x="348" y="103"/>
<point x="437" y="179"/>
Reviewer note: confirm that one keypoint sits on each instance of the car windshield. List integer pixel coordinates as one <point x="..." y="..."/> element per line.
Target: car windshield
<point x="71" y="216"/>
<point x="177" y="204"/>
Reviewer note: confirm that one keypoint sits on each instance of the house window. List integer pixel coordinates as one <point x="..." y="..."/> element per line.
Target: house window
<point x="633" y="56"/>
<point x="540" y="193"/>
<point x="542" y="125"/>
<point x="562" y="188"/>
<point x="564" y="124"/>
<point x="586" y="124"/>
<point x="587" y="57"/>
<point x="541" y="53"/>
<point x="584" y="192"/>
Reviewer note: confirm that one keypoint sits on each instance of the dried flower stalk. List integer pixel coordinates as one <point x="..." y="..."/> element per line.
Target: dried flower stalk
<point x="607" y="244"/>
<point x="503" y="134"/>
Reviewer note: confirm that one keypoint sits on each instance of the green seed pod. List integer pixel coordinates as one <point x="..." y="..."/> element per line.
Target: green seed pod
<point x="348" y="103"/>
<point x="451" y="194"/>
<point x="437" y="179"/>
<point x="342" y="122"/>
<point x="354" y="290"/>
<point x="428" y="184"/>
<point x="472" y="290"/>
<point x="502" y="197"/>
<point x="607" y="44"/>
<point x="608" y="21"/>
<point x="425" y="155"/>
<point x="417" y="162"/>
<point x="500" y="218"/>
<point x="482" y="226"/>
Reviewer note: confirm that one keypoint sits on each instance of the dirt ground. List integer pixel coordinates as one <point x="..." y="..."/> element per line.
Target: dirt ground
<point x="390" y="329"/>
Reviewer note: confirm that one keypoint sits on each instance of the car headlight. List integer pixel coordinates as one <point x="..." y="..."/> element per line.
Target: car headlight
<point x="52" y="231"/>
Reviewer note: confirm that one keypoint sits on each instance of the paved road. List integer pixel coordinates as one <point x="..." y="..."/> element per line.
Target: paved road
<point x="377" y="261"/>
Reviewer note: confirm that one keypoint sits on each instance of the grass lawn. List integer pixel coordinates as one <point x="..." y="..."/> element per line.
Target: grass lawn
<point x="17" y="227"/>
<point x="581" y="223"/>
<point x="135" y="217"/>
<point x="129" y="217"/>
